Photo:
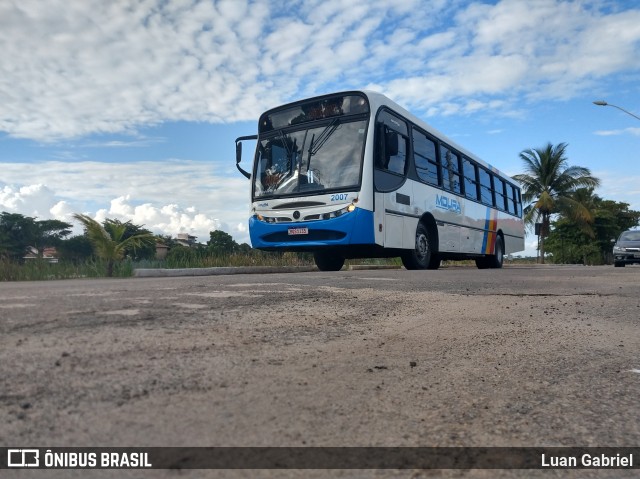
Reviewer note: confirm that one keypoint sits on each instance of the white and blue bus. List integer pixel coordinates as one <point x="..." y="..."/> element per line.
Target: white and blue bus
<point x="354" y="175"/>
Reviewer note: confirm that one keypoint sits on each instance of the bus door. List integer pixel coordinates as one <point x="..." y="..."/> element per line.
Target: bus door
<point x="394" y="195"/>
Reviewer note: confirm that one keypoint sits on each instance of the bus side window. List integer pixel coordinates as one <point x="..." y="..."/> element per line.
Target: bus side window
<point x="499" y="192"/>
<point x="450" y="169"/>
<point x="470" y="179"/>
<point x="424" y="154"/>
<point x="390" y="158"/>
<point x="511" y="205"/>
<point x="397" y="152"/>
<point x="518" y="200"/>
<point x="485" y="187"/>
<point x="392" y="152"/>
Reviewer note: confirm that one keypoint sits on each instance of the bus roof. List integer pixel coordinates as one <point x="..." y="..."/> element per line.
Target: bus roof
<point x="378" y="100"/>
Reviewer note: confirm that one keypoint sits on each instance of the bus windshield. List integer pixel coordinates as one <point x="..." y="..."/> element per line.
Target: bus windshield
<point x="308" y="161"/>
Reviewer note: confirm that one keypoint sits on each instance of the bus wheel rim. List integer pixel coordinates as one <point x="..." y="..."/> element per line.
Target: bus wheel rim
<point x="422" y="245"/>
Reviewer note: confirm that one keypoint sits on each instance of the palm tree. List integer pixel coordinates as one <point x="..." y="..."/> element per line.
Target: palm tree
<point x="583" y="210"/>
<point x="548" y="185"/>
<point x="109" y="243"/>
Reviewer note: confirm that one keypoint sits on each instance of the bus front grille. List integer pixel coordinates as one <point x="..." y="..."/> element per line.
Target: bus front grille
<point x="314" y="235"/>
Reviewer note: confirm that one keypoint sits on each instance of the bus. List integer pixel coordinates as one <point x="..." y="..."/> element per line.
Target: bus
<point x="354" y="175"/>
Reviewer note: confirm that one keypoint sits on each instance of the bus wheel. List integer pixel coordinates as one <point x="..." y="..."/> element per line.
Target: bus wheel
<point x="327" y="261"/>
<point x="497" y="259"/>
<point x="482" y="263"/>
<point x="423" y="256"/>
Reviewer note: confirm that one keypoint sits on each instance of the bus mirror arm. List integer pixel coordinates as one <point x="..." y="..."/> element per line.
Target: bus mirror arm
<point x="239" y="153"/>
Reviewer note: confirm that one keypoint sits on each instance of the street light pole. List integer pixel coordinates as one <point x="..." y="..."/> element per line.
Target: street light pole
<point x="604" y="103"/>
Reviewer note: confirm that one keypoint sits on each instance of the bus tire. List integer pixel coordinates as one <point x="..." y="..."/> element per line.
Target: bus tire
<point x="497" y="259"/>
<point x="482" y="263"/>
<point x="424" y="255"/>
<point x="327" y="261"/>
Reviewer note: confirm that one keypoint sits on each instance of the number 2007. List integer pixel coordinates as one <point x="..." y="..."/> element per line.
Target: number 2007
<point x="339" y="197"/>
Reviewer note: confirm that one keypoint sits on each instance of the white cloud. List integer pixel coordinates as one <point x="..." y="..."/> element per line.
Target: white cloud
<point x="624" y="188"/>
<point x="144" y="192"/>
<point x="167" y="220"/>
<point x="70" y="69"/>
<point x="34" y="200"/>
<point x="624" y="131"/>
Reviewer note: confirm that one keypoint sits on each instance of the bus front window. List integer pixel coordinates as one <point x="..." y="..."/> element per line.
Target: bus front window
<point x="310" y="161"/>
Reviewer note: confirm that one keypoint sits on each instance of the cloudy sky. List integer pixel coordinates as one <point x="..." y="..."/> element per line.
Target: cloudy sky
<point x="129" y="108"/>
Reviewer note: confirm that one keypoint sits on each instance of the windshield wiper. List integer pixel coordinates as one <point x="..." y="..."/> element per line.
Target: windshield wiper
<point x="315" y="145"/>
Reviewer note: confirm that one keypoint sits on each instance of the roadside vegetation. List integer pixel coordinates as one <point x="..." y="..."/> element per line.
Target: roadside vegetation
<point x="114" y="248"/>
<point x="575" y="226"/>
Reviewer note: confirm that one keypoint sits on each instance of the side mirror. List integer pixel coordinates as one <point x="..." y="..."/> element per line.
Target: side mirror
<point x="239" y="153"/>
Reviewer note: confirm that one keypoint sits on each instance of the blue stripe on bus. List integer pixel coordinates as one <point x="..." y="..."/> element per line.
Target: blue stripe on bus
<point x="485" y="238"/>
<point x="357" y="227"/>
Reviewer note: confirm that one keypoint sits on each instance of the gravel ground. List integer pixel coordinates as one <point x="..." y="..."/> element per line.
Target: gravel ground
<point x="457" y="357"/>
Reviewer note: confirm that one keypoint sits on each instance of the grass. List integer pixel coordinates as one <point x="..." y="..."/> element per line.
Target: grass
<point x="38" y="270"/>
<point x="41" y="270"/>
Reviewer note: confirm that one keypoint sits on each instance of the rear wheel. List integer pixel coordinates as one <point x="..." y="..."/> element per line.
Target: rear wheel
<point x="327" y="261"/>
<point x="496" y="259"/>
<point x="424" y="255"/>
<point x="482" y="263"/>
<point x="618" y="264"/>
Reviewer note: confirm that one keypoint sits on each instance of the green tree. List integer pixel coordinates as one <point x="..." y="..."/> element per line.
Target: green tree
<point x="167" y="240"/>
<point x="611" y="219"/>
<point x="18" y="232"/>
<point x="50" y="233"/>
<point x="568" y="244"/>
<point x="548" y="184"/>
<point x="109" y="242"/>
<point x="76" y="249"/>
<point x="221" y="243"/>
<point x="244" y="248"/>
<point x="574" y="241"/>
<point x="137" y="251"/>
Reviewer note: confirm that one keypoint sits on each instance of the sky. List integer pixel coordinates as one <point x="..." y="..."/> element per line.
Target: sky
<point x="129" y="109"/>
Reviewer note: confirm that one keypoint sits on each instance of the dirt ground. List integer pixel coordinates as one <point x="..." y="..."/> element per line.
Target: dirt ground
<point x="457" y="357"/>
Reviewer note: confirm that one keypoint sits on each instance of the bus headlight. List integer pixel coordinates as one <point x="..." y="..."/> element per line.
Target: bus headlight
<point x="336" y="214"/>
<point x="266" y="219"/>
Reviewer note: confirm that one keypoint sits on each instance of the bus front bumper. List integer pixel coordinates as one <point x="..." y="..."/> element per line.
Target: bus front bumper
<point x="351" y="228"/>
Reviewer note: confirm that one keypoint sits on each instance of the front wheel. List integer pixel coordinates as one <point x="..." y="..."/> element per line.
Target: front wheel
<point x="618" y="264"/>
<point x="326" y="261"/>
<point x="424" y="255"/>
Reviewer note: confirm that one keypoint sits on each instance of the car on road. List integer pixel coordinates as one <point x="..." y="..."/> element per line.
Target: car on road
<point x="627" y="249"/>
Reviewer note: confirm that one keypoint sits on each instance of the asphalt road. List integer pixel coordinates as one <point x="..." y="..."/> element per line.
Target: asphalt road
<point x="524" y="356"/>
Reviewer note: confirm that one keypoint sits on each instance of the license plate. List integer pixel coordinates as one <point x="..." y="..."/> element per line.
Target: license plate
<point x="637" y="255"/>
<point x="298" y="231"/>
